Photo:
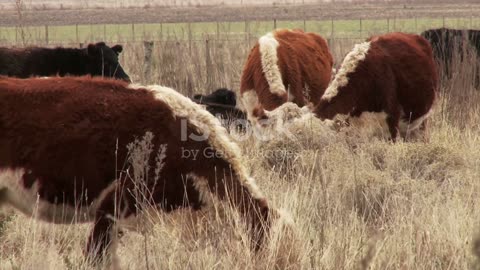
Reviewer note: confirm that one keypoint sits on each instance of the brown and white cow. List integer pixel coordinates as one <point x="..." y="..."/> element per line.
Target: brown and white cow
<point x="392" y="74"/>
<point x="285" y="65"/>
<point x="63" y="145"/>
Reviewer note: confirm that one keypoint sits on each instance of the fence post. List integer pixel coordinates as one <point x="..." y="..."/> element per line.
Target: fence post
<point x="133" y="32"/>
<point x="304" y="25"/>
<point x="247" y="31"/>
<point x="189" y="26"/>
<point x="161" y="31"/>
<point x="208" y="64"/>
<point x="416" y="27"/>
<point x="76" y="33"/>
<point x="361" y="30"/>
<point x="46" y="34"/>
<point x="218" y="30"/>
<point x="274" y="24"/>
<point x="388" y="25"/>
<point x="332" y="31"/>
<point x="104" y="32"/>
<point x="443" y="21"/>
<point x="147" y="63"/>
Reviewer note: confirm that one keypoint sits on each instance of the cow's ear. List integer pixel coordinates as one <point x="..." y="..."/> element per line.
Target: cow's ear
<point x="92" y="49"/>
<point x="117" y="48"/>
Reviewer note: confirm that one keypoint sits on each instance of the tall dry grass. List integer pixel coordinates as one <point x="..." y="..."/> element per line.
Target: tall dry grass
<point x="356" y="203"/>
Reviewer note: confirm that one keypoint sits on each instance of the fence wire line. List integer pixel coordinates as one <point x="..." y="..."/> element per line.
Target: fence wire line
<point x="220" y="31"/>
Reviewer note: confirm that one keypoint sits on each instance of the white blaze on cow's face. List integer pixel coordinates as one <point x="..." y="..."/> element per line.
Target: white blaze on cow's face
<point x="268" y="46"/>
<point x="249" y="100"/>
<point x="349" y="65"/>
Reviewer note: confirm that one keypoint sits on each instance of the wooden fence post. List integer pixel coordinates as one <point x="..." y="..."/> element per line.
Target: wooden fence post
<point x="147" y="63"/>
<point x="332" y="31"/>
<point x="161" y="31"/>
<point x="208" y="64"/>
<point x="76" y="33"/>
<point x="247" y="31"/>
<point x="189" y="25"/>
<point x="361" y="30"/>
<point x="274" y="24"/>
<point x="133" y="32"/>
<point x="46" y="34"/>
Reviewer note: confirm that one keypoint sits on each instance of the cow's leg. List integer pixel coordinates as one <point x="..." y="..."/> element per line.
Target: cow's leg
<point x="100" y="237"/>
<point x="393" y="120"/>
<point x="3" y="196"/>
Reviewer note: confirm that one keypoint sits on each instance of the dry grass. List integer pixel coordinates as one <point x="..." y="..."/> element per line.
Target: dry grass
<point x="356" y="203"/>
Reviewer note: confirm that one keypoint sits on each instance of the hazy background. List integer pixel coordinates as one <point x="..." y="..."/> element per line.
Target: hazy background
<point x="183" y="3"/>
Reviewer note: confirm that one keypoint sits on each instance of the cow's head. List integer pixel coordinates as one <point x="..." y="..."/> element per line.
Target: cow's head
<point x="221" y="103"/>
<point x="221" y="96"/>
<point x="103" y="61"/>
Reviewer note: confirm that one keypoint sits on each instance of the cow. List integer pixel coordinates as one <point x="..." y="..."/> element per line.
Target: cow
<point x="448" y="42"/>
<point x="63" y="142"/>
<point x="393" y="75"/>
<point x="95" y="60"/>
<point x="221" y="103"/>
<point x="285" y="65"/>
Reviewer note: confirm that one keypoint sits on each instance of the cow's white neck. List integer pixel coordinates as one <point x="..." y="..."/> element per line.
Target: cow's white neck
<point x="268" y="53"/>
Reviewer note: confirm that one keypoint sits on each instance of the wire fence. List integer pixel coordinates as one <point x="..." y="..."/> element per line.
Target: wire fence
<point x="197" y="32"/>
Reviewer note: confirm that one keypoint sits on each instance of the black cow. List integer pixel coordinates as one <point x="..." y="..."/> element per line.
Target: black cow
<point x="221" y="103"/>
<point x="446" y="42"/>
<point x="95" y="60"/>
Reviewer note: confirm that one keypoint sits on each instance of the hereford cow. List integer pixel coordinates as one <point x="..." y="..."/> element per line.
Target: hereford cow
<point x="285" y="65"/>
<point x="63" y="145"/>
<point x="95" y="60"/>
<point x="447" y="42"/>
<point x="392" y="74"/>
<point x="222" y="103"/>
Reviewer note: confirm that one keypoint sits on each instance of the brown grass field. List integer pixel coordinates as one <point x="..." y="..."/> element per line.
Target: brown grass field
<point x="38" y="15"/>
<point x="356" y="202"/>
